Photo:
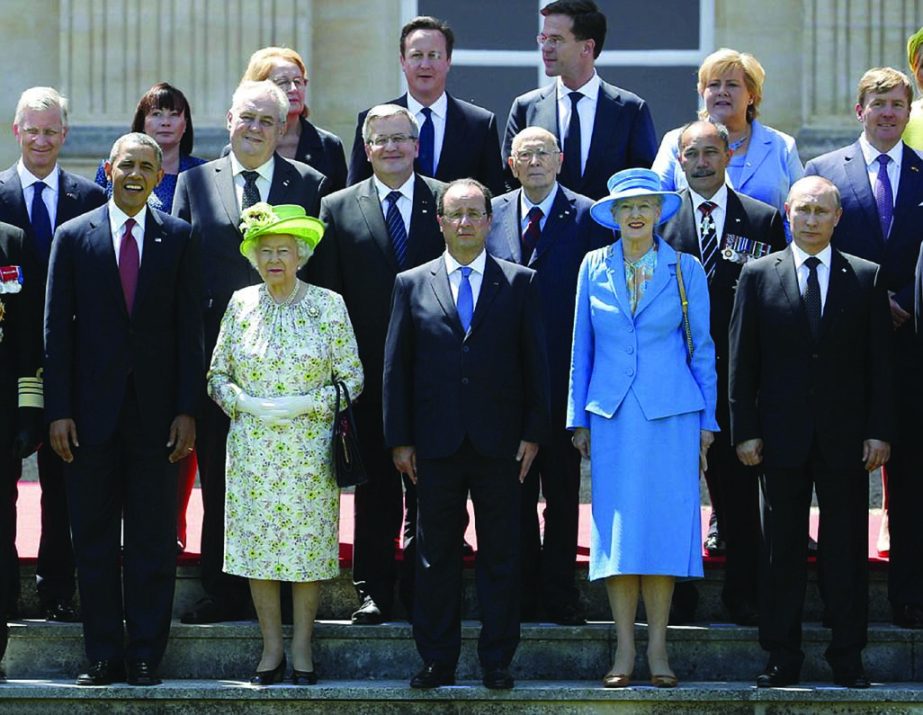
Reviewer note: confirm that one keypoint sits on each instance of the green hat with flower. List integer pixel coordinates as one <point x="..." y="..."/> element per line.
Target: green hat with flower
<point x="287" y="219"/>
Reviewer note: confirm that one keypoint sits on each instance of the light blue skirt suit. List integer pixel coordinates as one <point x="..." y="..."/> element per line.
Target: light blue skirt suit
<point x="644" y="402"/>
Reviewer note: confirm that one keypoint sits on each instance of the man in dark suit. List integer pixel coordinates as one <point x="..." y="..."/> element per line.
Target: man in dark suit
<point x="37" y="195"/>
<point x="124" y="371"/>
<point x="548" y="228"/>
<point x="466" y="406"/>
<point x="211" y="198"/>
<point x="603" y="128"/>
<point x="21" y="296"/>
<point x="724" y="230"/>
<point x="374" y="230"/>
<point x="810" y="395"/>
<point x="457" y="139"/>
<point x="881" y="181"/>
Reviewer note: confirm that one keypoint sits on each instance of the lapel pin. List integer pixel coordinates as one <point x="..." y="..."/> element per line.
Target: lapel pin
<point x="285" y="182"/>
<point x="736" y="220"/>
<point x="914" y="168"/>
<point x="72" y="197"/>
<point x="423" y="211"/>
<point x="158" y="239"/>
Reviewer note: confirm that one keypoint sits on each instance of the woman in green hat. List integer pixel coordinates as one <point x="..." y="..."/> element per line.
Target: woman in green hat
<point x="281" y="345"/>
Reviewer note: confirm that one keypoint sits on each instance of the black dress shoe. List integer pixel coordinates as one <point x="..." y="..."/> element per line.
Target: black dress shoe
<point x="777" y="676"/>
<point x="433" y="675"/>
<point x="498" y="679"/>
<point x="268" y="677"/>
<point x="368" y="614"/>
<point x="141" y="672"/>
<point x="908" y="616"/>
<point x="685" y="600"/>
<point x="743" y="614"/>
<point x="61" y="612"/>
<point x="103" y="672"/>
<point x="851" y="679"/>
<point x="208" y="610"/>
<point x="2" y="676"/>
<point x="569" y="614"/>
<point x="304" y="677"/>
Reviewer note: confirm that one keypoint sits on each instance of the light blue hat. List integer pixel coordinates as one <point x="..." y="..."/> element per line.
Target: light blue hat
<point x="634" y="182"/>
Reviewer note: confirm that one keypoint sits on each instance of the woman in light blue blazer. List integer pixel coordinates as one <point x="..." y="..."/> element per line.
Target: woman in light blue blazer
<point x="642" y="407"/>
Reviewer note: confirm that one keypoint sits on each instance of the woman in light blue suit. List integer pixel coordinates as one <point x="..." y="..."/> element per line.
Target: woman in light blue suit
<point x="643" y="411"/>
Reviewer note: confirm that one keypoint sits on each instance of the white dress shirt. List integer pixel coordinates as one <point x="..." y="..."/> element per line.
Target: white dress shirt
<point x="263" y="182"/>
<point x="437" y="117"/>
<point x="823" y="271"/>
<point x="404" y="204"/>
<point x="586" y="109"/>
<point x="49" y="195"/>
<point x="525" y="205"/>
<point x="117" y="219"/>
<point x="719" y="213"/>
<point x="452" y="267"/>
<point x="870" y="154"/>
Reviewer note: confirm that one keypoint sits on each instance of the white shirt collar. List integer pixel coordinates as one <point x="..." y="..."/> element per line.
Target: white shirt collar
<point x="264" y="170"/>
<point x="477" y="265"/>
<point x="438" y="107"/>
<point x="405" y="189"/>
<point x="590" y="89"/>
<point x="801" y="256"/>
<point x="117" y="218"/>
<point x="720" y="199"/>
<point x="545" y="205"/>
<point x="870" y="153"/>
<point x="27" y="178"/>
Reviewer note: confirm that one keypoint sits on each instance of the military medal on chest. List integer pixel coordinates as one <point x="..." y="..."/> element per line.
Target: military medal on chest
<point x="739" y="249"/>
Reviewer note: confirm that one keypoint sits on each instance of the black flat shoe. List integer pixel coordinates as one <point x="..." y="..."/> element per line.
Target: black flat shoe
<point x="269" y="677"/>
<point x="61" y="612"/>
<point x="103" y="672"/>
<point x="433" y="675"/>
<point x="498" y="679"/>
<point x="141" y="672"/>
<point x="304" y="677"/>
<point x="853" y="679"/>
<point x="777" y="676"/>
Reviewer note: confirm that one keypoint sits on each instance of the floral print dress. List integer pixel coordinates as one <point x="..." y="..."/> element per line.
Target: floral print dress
<point x="282" y="501"/>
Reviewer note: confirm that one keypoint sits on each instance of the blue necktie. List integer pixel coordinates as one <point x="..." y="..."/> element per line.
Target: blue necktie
<point x="465" y="303"/>
<point x="884" y="198"/>
<point x="41" y="222"/>
<point x="396" y="229"/>
<point x="426" y="158"/>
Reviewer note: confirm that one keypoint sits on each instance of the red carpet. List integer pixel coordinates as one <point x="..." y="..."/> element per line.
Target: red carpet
<point x="27" y="532"/>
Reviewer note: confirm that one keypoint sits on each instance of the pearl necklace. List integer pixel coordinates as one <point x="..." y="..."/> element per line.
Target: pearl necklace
<point x="289" y="299"/>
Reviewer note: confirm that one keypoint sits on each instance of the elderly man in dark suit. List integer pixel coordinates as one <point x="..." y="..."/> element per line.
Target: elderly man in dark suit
<point x="375" y="229"/>
<point x="724" y="230"/>
<point x="603" y="128"/>
<point x="457" y="139"/>
<point x="548" y="228"/>
<point x="881" y="181"/>
<point x="466" y="406"/>
<point x="211" y="198"/>
<point x="123" y="372"/>
<point x="37" y="195"/>
<point x="810" y="395"/>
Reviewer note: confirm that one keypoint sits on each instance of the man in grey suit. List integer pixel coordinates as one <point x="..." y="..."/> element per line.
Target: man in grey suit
<point x="375" y="229"/>
<point x="211" y="198"/>
<point x="37" y="196"/>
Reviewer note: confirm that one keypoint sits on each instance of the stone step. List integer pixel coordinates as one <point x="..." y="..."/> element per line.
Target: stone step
<point x="367" y="698"/>
<point x="716" y="652"/>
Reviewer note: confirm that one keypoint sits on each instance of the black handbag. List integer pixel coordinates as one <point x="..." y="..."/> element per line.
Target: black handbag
<point x="347" y="461"/>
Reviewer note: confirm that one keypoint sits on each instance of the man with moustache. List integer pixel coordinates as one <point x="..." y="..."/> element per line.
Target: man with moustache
<point x="457" y="139"/>
<point x="375" y="229"/>
<point x="724" y="230"/>
<point x="549" y="229"/>
<point x="211" y="198"/>
<point x="37" y="195"/>
<point x="881" y="181"/>
<point x="603" y="128"/>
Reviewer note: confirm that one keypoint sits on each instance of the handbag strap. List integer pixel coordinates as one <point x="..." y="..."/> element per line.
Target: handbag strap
<point x="684" y="302"/>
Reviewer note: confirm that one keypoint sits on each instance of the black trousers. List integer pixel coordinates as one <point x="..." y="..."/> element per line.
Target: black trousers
<point x="9" y="560"/>
<point x="549" y="564"/>
<point x="126" y="478"/>
<point x="842" y="495"/>
<point x="442" y="493"/>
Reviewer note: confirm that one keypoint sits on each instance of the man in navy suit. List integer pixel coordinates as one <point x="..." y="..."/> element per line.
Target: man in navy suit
<point x="457" y="139"/>
<point x="881" y="181"/>
<point x="211" y="197"/>
<point x="123" y="372"/>
<point x="37" y="195"/>
<point x="465" y="408"/>
<point x="548" y="228"/>
<point x="724" y="230"/>
<point x="603" y="129"/>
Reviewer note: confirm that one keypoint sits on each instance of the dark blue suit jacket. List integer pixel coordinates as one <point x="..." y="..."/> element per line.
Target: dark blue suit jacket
<point x="623" y="134"/>
<point x="569" y="234"/>
<point x="470" y="149"/>
<point x="93" y="345"/>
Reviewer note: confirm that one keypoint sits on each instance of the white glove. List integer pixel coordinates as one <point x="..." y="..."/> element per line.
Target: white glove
<point x="295" y="405"/>
<point x="263" y="408"/>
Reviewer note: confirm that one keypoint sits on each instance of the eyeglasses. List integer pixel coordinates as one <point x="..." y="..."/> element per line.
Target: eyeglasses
<point x="285" y="82"/>
<point x="459" y="216"/>
<point x="551" y="41"/>
<point x="416" y="58"/>
<point x="382" y="141"/>
<point x="526" y="156"/>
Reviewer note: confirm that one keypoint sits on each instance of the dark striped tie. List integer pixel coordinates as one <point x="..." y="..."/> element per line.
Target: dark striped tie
<point x="396" y="229"/>
<point x="709" y="238"/>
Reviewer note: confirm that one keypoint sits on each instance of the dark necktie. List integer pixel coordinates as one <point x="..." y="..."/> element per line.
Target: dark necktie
<point x="884" y="197"/>
<point x="811" y="296"/>
<point x="251" y="193"/>
<point x="572" y="146"/>
<point x="396" y="229"/>
<point x="129" y="262"/>
<point x="465" y="303"/>
<point x="426" y="158"/>
<point x="709" y="235"/>
<point x="531" y="235"/>
<point x="41" y="222"/>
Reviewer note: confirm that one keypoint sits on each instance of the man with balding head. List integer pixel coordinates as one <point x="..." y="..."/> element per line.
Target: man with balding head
<point x="548" y="228"/>
<point x="811" y="404"/>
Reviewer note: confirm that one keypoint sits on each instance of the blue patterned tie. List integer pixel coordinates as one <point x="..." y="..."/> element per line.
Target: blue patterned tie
<point x="884" y="198"/>
<point x="396" y="229"/>
<point x="41" y="222"/>
<point x="465" y="303"/>
<point x="426" y="158"/>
